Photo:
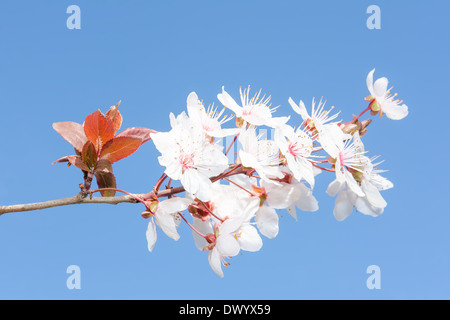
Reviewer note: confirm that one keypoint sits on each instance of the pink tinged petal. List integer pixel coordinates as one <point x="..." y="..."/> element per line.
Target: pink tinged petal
<point x="229" y="102"/>
<point x="249" y="239"/>
<point x="215" y="261"/>
<point x="257" y="115"/>
<point x="300" y="109"/>
<point x="267" y="221"/>
<point x="151" y="235"/>
<point x="343" y="206"/>
<point x="380" y="87"/>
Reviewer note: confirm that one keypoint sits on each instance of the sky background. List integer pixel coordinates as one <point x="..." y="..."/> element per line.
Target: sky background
<point x="151" y="55"/>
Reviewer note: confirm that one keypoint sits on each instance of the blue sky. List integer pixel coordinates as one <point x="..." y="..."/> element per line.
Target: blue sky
<point x="150" y="55"/>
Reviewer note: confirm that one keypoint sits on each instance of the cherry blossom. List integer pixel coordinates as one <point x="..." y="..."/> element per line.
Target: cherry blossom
<point x="381" y="99"/>
<point x="254" y="111"/>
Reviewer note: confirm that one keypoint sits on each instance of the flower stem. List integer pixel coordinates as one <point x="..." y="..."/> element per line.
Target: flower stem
<point x="364" y="111"/>
<point x="251" y="193"/>
<point x="231" y="144"/>
<point x="190" y="225"/>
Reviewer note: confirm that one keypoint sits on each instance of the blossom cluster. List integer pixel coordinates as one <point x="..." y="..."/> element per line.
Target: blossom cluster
<point x="230" y="206"/>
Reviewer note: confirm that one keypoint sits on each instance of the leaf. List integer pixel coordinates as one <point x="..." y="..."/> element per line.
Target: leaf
<point x="103" y="165"/>
<point x="77" y="162"/>
<point x="89" y="155"/>
<point x="60" y="160"/>
<point x="98" y="129"/>
<point x="137" y="132"/>
<point x="114" y="115"/>
<point x="106" y="180"/>
<point x="119" y="148"/>
<point x="72" y="132"/>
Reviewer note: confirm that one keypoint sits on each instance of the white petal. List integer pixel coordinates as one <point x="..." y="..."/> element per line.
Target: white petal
<point x="173" y="205"/>
<point x="249" y="239"/>
<point x="373" y="195"/>
<point x="151" y="235"/>
<point x="214" y="260"/>
<point x="204" y="227"/>
<point x="369" y="81"/>
<point x="267" y="221"/>
<point x="334" y="187"/>
<point x="343" y="206"/>
<point x="229" y="102"/>
<point x="380" y="87"/>
<point x="227" y="245"/>
<point x="306" y="201"/>
<point x="166" y="221"/>
<point x="300" y="109"/>
<point x="394" y="111"/>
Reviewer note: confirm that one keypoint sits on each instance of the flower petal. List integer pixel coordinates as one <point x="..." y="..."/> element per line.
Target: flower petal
<point x="267" y="221"/>
<point x="151" y="235"/>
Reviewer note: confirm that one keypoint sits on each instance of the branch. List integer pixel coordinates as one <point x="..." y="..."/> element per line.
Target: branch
<point x="78" y="199"/>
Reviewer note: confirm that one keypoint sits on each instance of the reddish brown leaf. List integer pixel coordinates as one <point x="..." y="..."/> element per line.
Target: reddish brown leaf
<point x="119" y="148"/>
<point x="114" y="115"/>
<point x="60" y="160"/>
<point x="89" y="155"/>
<point x="72" y="132"/>
<point x="98" y="129"/>
<point x="103" y="165"/>
<point x="77" y="162"/>
<point x="106" y="180"/>
<point x="136" y="132"/>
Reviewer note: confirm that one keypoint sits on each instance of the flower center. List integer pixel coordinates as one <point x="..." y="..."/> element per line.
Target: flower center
<point x="186" y="160"/>
<point x="294" y="149"/>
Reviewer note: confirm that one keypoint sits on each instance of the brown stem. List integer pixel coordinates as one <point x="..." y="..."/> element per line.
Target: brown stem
<point x="81" y="198"/>
<point x="78" y="199"/>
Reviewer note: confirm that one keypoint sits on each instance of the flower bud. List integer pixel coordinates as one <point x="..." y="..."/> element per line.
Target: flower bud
<point x="146" y="214"/>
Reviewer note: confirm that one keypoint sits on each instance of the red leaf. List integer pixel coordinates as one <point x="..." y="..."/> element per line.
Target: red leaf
<point x="104" y="166"/>
<point x="98" y="129"/>
<point x="119" y="148"/>
<point x="72" y="132"/>
<point x="89" y="155"/>
<point x="136" y="132"/>
<point x="106" y="180"/>
<point x="114" y="115"/>
<point x="75" y="160"/>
